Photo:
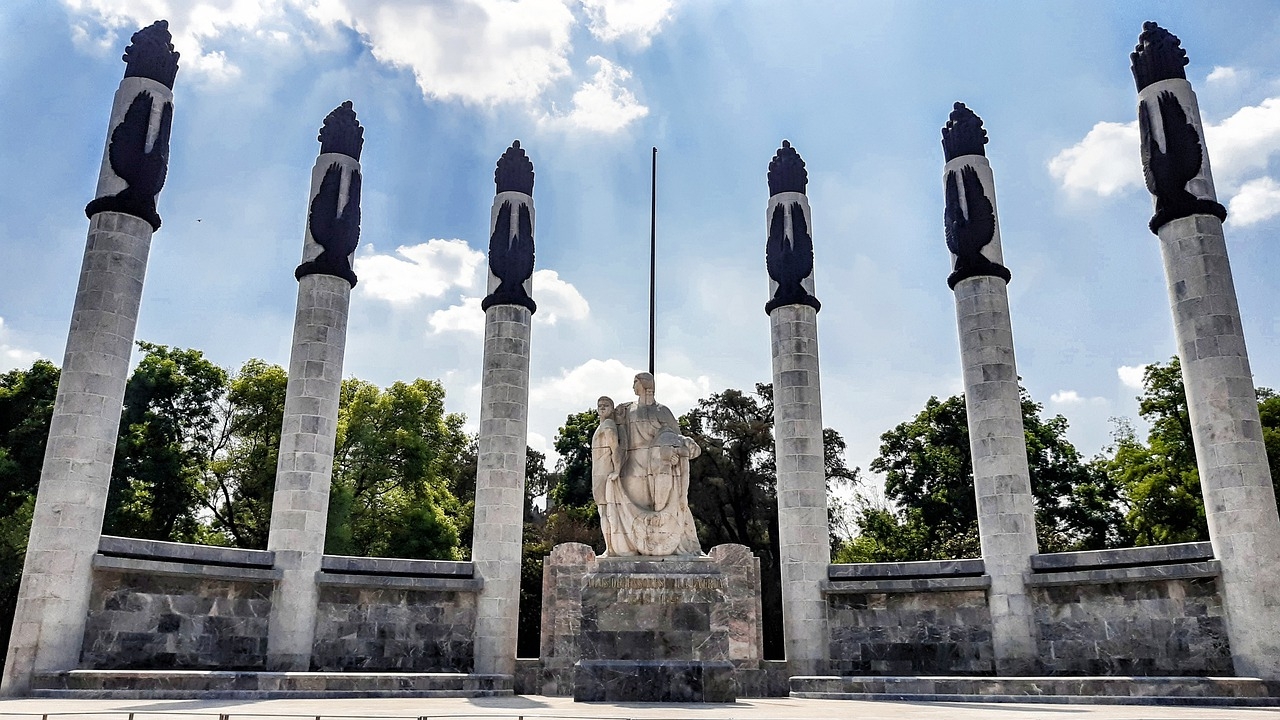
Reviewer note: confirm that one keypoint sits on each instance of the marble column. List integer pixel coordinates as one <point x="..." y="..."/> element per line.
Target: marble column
<point x="300" y="505"/>
<point x="1239" y="499"/>
<point x="803" y="533"/>
<point x="53" y="598"/>
<point x="997" y="441"/>
<point x="504" y="412"/>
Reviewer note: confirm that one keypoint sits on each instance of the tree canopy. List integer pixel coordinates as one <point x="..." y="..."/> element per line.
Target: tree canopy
<point x="928" y="473"/>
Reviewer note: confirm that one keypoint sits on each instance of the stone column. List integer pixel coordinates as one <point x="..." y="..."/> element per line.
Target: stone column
<point x="803" y="533"/>
<point x="53" y="598"/>
<point x="300" y="505"/>
<point x="997" y="441"/>
<point x="504" y="412"/>
<point x="1239" y="499"/>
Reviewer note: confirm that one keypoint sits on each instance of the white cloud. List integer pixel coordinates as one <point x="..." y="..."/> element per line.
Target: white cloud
<point x="484" y="52"/>
<point x="578" y="388"/>
<point x="194" y="25"/>
<point x="425" y="270"/>
<point x="465" y="317"/>
<point x="1258" y="200"/>
<point x="602" y="104"/>
<point x="1071" y="397"/>
<point x="1221" y="74"/>
<point x="12" y="357"/>
<point x="636" y="21"/>
<point x="476" y="51"/>
<point x="1244" y="142"/>
<point x="1066" y="397"/>
<point x="557" y="299"/>
<point x="1105" y="162"/>
<point x="1131" y="375"/>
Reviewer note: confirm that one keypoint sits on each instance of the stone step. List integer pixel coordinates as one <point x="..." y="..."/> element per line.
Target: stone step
<point x="1059" y="689"/>
<point x="183" y="684"/>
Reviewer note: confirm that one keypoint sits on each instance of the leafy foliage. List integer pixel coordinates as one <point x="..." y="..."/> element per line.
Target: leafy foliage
<point x="929" y="475"/>
<point x="240" y="475"/>
<point x="166" y="434"/>
<point x="395" y="455"/>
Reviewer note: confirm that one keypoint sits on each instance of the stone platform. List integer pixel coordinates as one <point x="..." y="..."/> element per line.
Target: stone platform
<point x="654" y="630"/>
<point x="185" y="684"/>
<point x="1114" y="690"/>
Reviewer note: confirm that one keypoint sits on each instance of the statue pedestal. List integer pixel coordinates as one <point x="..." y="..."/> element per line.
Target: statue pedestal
<point x="655" y="630"/>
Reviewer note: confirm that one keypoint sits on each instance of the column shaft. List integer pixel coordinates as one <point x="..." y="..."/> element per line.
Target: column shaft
<point x="1239" y="499"/>
<point x="1001" y="476"/>
<point x="499" y="509"/>
<point x="53" y="598"/>
<point x="803" y="538"/>
<point x="300" y="505"/>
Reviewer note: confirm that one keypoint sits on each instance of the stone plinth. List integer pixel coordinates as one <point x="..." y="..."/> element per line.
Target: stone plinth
<point x="654" y="630"/>
<point x="567" y="601"/>
<point x="53" y="598"/>
<point x="563" y="573"/>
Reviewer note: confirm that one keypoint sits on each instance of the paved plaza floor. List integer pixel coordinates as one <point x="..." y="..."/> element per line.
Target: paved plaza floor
<point x="532" y="706"/>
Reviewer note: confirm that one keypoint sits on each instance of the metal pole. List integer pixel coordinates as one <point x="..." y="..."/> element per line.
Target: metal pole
<point x="653" y="248"/>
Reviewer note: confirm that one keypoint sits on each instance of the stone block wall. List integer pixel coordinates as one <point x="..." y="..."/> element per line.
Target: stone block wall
<point x="1134" y="611"/>
<point x="1139" y="611"/>
<point x="158" y="605"/>
<point x="399" y="629"/>
<point x="171" y="606"/>
<point x="926" y="618"/>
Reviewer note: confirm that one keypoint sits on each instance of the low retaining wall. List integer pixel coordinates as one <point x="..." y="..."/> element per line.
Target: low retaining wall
<point x="911" y="618"/>
<point x="159" y="605"/>
<point x="1137" y="611"/>
<point x="1154" y="611"/>
<point x="381" y="614"/>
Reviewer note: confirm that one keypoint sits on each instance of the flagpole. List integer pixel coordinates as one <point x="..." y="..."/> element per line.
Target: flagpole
<point x="653" y="247"/>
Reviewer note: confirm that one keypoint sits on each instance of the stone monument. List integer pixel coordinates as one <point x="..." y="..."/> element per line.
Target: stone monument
<point x="300" y="504"/>
<point x="997" y="442"/>
<point x="1239" y="500"/>
<point x="504" y="413"/>
<point x="654" y="611"/>
<point x="803" y="541"/>
<point x="640" y="477"/>
<point x="53" y="598"/>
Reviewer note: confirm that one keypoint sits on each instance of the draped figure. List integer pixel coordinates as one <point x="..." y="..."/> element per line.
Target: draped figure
<point x="640" y="477"/>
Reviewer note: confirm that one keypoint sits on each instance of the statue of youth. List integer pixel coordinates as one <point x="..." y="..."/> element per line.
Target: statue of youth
<point x="640" y="477"/>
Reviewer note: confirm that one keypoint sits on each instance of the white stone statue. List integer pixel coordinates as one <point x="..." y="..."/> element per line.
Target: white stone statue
<point x="640" y="477"/>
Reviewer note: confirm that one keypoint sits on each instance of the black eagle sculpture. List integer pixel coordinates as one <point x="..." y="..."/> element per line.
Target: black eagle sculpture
<point x="511" y="259"/>
<point x="789" y="260"/>
<point x="335" y="229"/>
<point x="143" y="170"/>
<point x="968" y="234"/>
<point x="1168" y="170"/>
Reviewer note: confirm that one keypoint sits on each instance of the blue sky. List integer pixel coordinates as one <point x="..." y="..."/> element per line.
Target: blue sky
<point x="861" y="90"/>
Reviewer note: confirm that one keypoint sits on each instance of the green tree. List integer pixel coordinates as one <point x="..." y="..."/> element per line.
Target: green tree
<point x="929" y="476"/>
<point x="397" y="450"/>
<point x="1159" y="476"/>
<point x="573" y="469"/>
<point x="166" y="433"/>
<point x="240" y="476"/>
<point x="26" y="406"/>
